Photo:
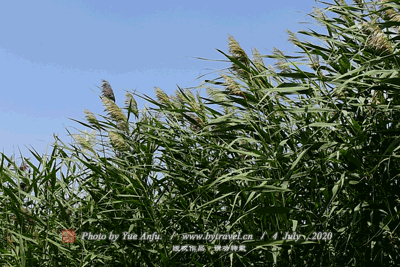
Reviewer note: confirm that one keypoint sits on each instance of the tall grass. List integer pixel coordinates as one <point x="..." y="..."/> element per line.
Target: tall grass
<point x="268" y="151"/>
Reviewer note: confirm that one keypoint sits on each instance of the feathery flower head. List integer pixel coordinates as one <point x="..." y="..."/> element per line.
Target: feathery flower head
<point x="231" y="86"/>
<point x="236" y="51"/>
<point x="91" y="118"/>
<point x="293" y="39"/>
<point x="319" y="15"/>
<point x="162" y="96"/>
<point x="390" y="13"/>
<point x="215" y="94"/>
<point x="87" y="140"/>
<point x="257" y="59"/>
<point x="239" y="54"/>
<point x="114" y="111"/>
<point x="131" y="102"/>
<point x="377" y="38"/>
<point x="107" y="90"/>
<point x="180" y="97"/>
<point x="281" y="63"/>
<point x="117" y="141"/>
<point x="190" y="99"/>
<point x="116" y="114"/>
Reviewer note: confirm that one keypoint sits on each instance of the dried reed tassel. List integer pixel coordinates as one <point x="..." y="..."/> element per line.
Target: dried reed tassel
<point x="116" y="114"/>
<point x="238" y="53"/>
<point x="162" y="97"/>
<point x="130" y="100"/>
<point x="118" y="142"/>
<point x="377" y="39"/>
<point x="293" y="39"/>
<point x="281" y="63"/>
<point x="131" y="104"/>
<point x="232" y="87"/>
<point x="107" y="90"/>
<point x="192" y="101"/>
<point x="390" y="14"/>
<point x="91" y="118"/>
<point x="257" y="59"/>
<point x="87" y="141"/>
<point x="178" y="105"/>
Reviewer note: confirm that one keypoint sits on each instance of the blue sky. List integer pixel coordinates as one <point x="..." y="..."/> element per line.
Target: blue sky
<point x="54" y="54"/>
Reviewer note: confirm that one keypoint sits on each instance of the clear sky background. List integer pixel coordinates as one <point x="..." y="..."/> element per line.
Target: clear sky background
<point x="54" y="54"/>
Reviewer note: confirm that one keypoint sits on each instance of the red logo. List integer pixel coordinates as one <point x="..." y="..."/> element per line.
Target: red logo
<point x="68" y="236"/>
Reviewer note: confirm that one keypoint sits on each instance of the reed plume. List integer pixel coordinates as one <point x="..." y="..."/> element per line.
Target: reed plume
<point x="107" y="90"/>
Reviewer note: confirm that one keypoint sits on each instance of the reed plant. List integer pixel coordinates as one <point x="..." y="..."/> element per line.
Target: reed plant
<point x="308" y="147"/>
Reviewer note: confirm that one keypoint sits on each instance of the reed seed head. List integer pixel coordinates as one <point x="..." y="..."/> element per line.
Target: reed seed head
<point x="117" y="141"/>
<point x="130" y="100"/>
<point x="162" y="97"/>
<point x="91" y="118"/>
<point x="86" y="141"/>
<point x="377" y="38"/>
<point x="257" y="59"/>
<point x="107" y="90"/>
<point x="239" y="54"/>
<point x="180" y="98"/>
<point x="390" y="14"/>
<point x="232" y="87"/>
<point x="114" y="111"/>
<point x="380" y="42"/>
<point x="293" y="39"/>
